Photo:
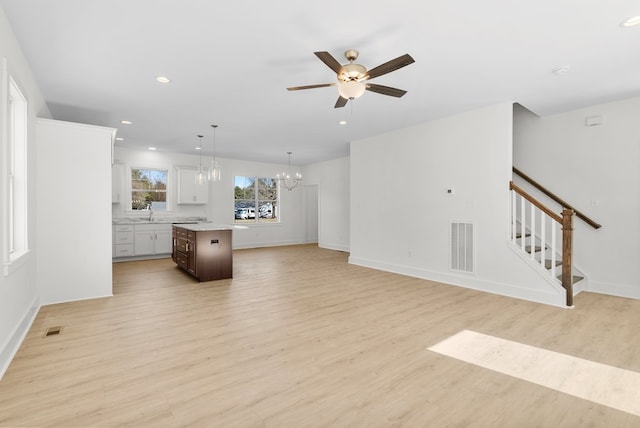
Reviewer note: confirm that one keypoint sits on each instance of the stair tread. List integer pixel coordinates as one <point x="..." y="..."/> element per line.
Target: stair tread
<point x="519" y="235"/>
<point x="575" y="278"/>
<point x="547" y="263"/>
<point x="537" y="249"/>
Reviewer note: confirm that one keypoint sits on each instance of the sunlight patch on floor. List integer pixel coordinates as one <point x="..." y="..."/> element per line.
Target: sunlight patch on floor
<point x="596" y="382"/>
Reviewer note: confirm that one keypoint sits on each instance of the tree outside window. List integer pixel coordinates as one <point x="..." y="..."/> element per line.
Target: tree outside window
<point x="148" y="189"/>
<point x="256" y="200"/>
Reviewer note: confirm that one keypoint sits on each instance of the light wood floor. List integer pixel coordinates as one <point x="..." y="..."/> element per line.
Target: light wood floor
<point x="300" y="338"/>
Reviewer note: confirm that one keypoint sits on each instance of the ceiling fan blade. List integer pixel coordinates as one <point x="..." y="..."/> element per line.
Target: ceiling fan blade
<point x="321" y="85"/>
<point x="388" y="67"/>
<point x="385" y="90"/>
<point x="341" y="102"/>
<point x="329" y="60"/>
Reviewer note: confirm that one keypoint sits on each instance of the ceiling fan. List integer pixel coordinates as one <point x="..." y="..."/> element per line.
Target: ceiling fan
<point x="353" y="79"/>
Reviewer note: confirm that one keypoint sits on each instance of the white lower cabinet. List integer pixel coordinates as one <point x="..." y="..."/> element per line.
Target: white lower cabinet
<point x="141" y="240"/>
<point x="151" y="239"/>
<point x="123" y="240"/>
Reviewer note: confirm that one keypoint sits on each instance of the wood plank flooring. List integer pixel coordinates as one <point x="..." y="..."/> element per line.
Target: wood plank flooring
<point x="300" y="338"/>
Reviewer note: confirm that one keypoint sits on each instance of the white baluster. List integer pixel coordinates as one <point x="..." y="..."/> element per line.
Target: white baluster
<point x="522" y="223"/>
<point x="532" y="230"/>
<point x="513" y="216"/>
<point x="554" y="225"/>
<point x="543" y="241"/>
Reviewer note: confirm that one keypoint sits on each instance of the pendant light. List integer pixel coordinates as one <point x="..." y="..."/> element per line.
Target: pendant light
<point x="287" y="179"/>
<point x="200" y="176"/>
<point x="214" y="170"/>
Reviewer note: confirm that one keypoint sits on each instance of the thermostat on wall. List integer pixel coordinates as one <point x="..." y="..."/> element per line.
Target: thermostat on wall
<point x="593" y="121"/>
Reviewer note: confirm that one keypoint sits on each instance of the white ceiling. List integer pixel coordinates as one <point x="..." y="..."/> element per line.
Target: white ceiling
<point x="231" y="62"/>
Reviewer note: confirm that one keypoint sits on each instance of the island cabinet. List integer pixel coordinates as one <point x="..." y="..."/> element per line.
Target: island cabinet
<point x="203" y="251"/>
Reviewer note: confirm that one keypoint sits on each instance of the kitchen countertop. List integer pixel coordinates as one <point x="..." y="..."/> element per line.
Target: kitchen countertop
<point x="158" y="220"/>
<point x="208" y="226"/>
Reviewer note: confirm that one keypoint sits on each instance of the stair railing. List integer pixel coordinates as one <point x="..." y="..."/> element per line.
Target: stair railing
<point x="547" y="222"/>
<point x="561" y="202"/>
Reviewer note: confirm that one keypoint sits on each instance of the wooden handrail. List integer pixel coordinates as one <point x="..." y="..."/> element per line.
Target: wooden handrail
<point x="560" y="201"/>
<point x="534" y="201"/>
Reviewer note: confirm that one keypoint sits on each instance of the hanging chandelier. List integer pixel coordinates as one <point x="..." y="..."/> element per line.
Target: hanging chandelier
<point x="214" y="173"/>
<point x="287" y="179"/>
<point x="200" y="175"/>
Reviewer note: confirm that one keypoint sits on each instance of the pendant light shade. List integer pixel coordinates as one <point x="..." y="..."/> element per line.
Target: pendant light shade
<point x="214" y="173"/>
<point x="200" y="175"/>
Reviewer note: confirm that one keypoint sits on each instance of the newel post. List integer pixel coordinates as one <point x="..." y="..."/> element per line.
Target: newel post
<point x="567" y="253"/>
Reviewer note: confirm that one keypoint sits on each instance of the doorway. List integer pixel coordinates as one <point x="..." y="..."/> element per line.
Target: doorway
<point x="311" y="212"/>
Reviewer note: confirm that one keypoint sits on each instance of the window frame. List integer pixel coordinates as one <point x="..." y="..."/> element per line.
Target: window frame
<point x="166" y="191"/>
<point x="256" y="200"/>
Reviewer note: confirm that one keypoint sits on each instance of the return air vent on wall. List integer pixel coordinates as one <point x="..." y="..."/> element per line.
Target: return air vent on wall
<point x="462" y="254"/>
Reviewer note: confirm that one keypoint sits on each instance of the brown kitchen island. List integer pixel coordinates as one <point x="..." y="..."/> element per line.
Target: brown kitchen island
<point x="203" y="250"/>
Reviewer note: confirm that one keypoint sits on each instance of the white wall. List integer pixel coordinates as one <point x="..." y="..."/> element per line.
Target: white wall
<point x="595" y="169"/>
<point x="401" y="212"/>
<point x="332" y="179"/>
<point x="220" y="209"/>
<point x="18" y="289"/>
<point x="74" y="197"/>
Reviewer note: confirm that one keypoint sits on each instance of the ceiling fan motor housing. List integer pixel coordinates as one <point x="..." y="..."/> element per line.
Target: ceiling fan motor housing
<point x="351" y="72"/>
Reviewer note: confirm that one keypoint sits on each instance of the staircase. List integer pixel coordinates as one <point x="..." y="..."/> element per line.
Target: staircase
<point x="540" y="257"/>
<point x="545" y="239"/>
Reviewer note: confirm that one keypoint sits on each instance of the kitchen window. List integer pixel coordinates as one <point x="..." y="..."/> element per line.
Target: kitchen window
<point x="149" y="189"/>
<point x="256" y="200"/>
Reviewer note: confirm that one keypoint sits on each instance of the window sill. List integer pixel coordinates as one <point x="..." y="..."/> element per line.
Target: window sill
<point x="16" y="261"/>
<point x="265" y="224"/>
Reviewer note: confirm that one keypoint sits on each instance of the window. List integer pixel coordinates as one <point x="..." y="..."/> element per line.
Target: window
<point x="149" y="189"/>
<point x="256" y="200"/>
<point x="17" y="172"/>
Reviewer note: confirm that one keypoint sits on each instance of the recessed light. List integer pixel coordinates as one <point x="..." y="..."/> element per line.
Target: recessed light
<point x="198" y="148"/>
<point x="342" y="122"/>
<point x="631" y="22"/>
<point x="119" y="139"/>
<point x="163" y="79"/>
<point x="152" y="148"/>
<point x="563" y="69"/>
<point x="126" y="122"/>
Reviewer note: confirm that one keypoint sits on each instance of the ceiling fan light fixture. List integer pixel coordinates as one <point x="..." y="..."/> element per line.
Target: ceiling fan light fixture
<point x="351" y="90"/>
<point x="350" y="72"/>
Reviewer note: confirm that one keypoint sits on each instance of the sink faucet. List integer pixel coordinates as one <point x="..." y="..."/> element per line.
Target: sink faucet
<point x="150" y="213"/>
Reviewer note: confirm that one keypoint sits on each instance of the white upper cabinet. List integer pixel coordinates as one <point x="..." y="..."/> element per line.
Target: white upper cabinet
<point x="117" y="183"/>
<point x="190" y="192"/>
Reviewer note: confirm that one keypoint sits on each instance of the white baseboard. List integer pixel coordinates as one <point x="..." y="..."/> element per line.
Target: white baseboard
<point x="10" y="348"/>
<point x="548" y="297"/>
<point x="265" y="244"/>
<point x="334" y="246"/>
<point x="621" y="290"/>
